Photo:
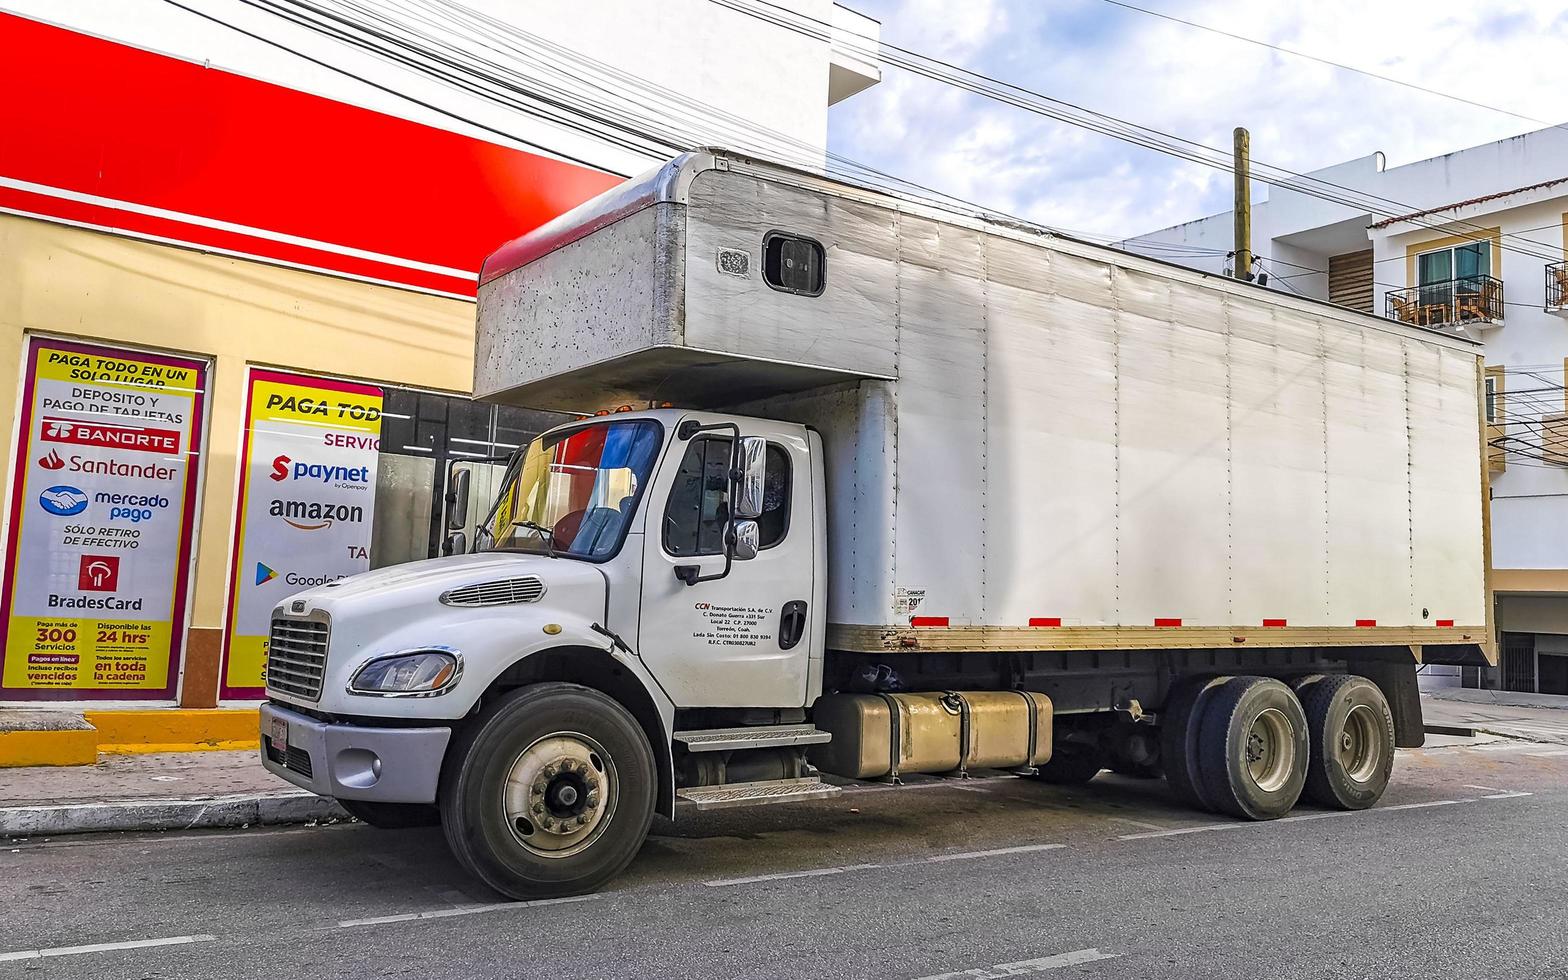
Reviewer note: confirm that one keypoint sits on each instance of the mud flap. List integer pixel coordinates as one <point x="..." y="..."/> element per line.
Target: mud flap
<point x="1397" y="681"/>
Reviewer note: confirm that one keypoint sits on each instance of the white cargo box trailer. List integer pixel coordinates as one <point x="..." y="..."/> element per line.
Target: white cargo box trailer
<point x="864" y="488"/>
<point x="1032" y="443"/>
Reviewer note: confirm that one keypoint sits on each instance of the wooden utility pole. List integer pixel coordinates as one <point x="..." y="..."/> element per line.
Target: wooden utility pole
<point x="1242" y="161"/>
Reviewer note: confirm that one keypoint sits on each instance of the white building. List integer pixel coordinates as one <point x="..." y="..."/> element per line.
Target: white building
<point x="1473" y="242"/>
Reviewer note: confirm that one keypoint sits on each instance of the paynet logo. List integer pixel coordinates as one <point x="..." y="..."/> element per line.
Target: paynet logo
<point x="284" y="468"/>
<point x="135" y="437"/>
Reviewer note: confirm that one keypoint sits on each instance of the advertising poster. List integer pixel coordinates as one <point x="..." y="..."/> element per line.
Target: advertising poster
<point x="97" y="567"/>
<point x="306" y="504"/>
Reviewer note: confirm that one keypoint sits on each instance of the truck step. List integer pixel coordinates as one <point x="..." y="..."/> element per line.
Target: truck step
<point x="754" y="737"/>
<point x="756" y="794"/>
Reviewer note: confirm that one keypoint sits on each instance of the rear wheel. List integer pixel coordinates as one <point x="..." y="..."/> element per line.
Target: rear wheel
<point x="1352" y="733"/>
<point x="549" y="792"/>
<point x="392" y="816"/>
<point x="1180" y="720"/>
<point x="1253" y="748"/>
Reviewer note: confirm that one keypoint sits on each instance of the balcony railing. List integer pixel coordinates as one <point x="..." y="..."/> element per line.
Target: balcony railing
<point x="1557" y="287"/>
<point x="1456" y="302"/>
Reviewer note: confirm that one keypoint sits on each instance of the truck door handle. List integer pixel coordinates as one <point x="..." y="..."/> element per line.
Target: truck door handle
<point x="792" y="624"/>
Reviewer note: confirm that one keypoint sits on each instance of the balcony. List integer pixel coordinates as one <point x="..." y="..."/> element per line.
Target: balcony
<point x="1452" y="303"/>
<point x="1557" y="288"/>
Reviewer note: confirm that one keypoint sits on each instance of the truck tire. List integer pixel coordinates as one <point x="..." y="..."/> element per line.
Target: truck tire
<point x="392" y="816"/>
<point x="1253" y="748"/>
<point x="1071" y="765"/>
<point x="1352" y="732"/>
<point x="1180" y="720"/>
<point x="549" y="792"/>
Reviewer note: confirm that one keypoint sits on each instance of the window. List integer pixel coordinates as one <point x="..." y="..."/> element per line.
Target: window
<point x="793" y="264"/>
<point x="1471" y="260"/>
<point x="698" y="510"/>
<point x="1491" y="399"/>
<point x="579" y="489"/>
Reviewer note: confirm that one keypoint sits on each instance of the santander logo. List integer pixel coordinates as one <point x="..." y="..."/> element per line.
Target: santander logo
<point x="52" y="461"/>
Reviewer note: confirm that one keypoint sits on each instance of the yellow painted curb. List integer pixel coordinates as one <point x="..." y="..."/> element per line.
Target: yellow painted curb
<point x="73" y="747"/>
<point x="175" y="729"/>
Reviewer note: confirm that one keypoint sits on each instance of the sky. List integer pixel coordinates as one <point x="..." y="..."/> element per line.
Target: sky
<point x="1198" y="85"/>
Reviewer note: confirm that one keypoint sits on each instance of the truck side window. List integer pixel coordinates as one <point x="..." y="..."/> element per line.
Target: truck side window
<point x="697" y="513"/>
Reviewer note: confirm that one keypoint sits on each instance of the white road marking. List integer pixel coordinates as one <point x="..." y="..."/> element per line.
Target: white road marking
<point x="381" y="920"/>
<point x="1003" y="970"/>
<point x="1417" y="806"/>
<point x="1179" y="831"/>
<point x="1490" y="789"/>
<point x="1507" y="795"/>
<point x="35" y="954"/>
<point x="1295" y="817"/>
<point x="993" y="852"/>
<point x="815" y="872"/>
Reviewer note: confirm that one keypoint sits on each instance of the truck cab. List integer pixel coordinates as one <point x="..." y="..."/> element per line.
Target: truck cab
<point x="647" y="562"/>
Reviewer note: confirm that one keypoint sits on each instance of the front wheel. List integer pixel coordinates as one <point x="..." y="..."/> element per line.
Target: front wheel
<point x="549" y="792"/>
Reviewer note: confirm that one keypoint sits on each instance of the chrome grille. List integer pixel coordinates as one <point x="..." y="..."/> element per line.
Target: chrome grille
<point x="297" y="657"/>
<point x="501" y="592"/>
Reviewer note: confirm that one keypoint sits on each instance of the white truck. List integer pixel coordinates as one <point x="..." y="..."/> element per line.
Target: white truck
<point x="910" y="491"/>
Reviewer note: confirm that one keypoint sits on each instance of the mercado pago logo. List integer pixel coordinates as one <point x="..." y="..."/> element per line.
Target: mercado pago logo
<point x="98" y="562"/>
<point x="62" y="501"/>
<point x="307" y="503"/>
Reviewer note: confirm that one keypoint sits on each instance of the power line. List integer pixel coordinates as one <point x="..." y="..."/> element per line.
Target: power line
<point x="1010" y="93"/>
<point x="1332" y="64"/>
<point x="393" y="92"/>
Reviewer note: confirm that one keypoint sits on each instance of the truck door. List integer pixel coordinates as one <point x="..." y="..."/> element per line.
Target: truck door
<point x="743" y="640"/>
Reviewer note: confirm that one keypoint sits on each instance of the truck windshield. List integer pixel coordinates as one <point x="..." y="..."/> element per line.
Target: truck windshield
<point x="573" y="493"/>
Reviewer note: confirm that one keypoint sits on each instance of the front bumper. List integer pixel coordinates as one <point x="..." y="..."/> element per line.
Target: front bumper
<point x="354" y="762"/>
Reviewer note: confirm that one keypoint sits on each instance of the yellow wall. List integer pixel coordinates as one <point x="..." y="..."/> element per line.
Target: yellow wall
<point x="99" y="287"/>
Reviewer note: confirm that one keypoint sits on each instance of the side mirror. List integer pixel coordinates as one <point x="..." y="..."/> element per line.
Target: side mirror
<point x="457" y="500"/>
<point x="746" y="543"/>
<point x="456" y="543"/>
<point x="751" y="471"/>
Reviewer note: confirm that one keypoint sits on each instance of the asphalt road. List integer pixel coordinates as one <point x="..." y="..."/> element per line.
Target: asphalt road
<point x="1460" y="872"/>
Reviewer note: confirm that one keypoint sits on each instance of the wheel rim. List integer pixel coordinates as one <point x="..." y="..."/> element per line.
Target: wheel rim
<point x="1271" y="750"/>
<point x="1359" y="750"/>
<point x="560" y="794"/>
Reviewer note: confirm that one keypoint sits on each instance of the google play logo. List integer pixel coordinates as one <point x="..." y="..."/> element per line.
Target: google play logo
<point x="264" y="574"/>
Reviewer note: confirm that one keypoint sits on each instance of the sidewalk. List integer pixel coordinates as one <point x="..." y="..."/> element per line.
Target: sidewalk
<point x="159" y="791"/>
<point x="1535" y="717"/>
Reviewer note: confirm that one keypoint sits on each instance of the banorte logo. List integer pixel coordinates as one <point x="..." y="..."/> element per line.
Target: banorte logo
<point x="52" y="461"/>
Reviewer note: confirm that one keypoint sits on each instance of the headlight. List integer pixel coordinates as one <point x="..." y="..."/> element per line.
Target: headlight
<point x="412" y="674"/>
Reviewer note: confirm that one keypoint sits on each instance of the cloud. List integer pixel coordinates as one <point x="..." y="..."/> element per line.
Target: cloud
<point x="1192" y="84"/>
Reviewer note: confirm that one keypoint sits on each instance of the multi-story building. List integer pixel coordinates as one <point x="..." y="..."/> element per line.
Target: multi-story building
<point x="239" y="245"/>
<point x="1472" y="242"/>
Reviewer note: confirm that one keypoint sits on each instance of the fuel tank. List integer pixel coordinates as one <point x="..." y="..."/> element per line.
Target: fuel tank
<point x="877" y="735"/>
